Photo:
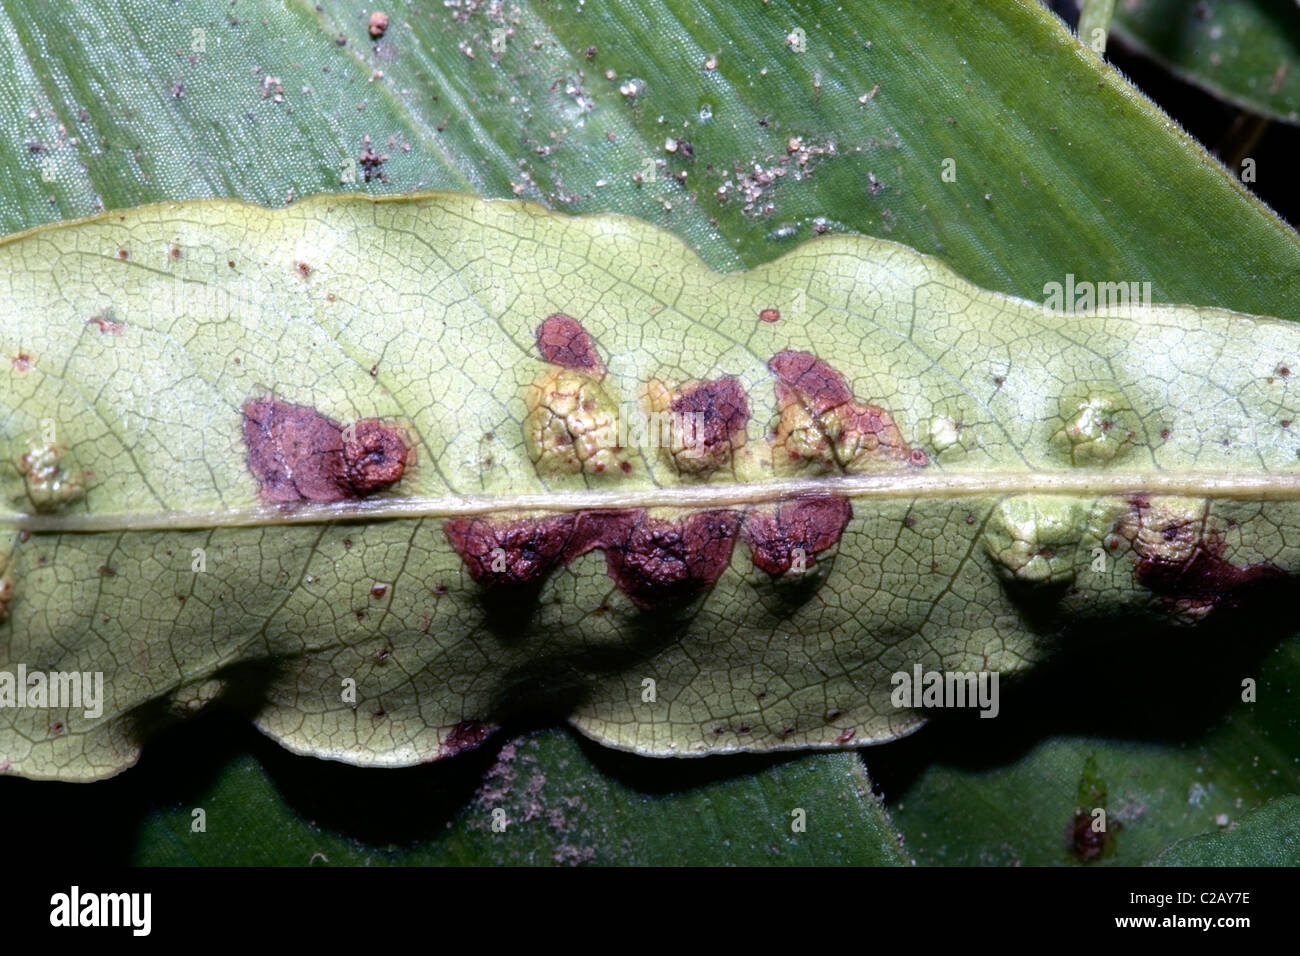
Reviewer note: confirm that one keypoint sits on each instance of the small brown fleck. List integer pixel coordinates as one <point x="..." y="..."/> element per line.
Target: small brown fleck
<point x="174" y="252"/>
<point x="378" y="24"/>
<point x="304" y="270"/>
<point x="1283" y="371"/>
<point x="377" y="591"/>
<point x="770" y="315"/>
<point x="123" y="254"/>
<point x="106" y="572"/>
<point x="22" y="361"/>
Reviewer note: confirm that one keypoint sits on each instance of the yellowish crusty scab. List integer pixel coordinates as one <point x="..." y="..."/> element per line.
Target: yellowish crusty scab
<point x="51" y="477"/>
<point x="572" y="425"/>
<point x="1169" y="529"/>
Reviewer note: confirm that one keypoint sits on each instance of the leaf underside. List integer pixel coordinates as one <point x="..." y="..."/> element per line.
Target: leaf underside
<point x="316" y="464"/>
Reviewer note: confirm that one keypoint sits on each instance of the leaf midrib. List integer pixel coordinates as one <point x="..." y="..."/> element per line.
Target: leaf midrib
<point x="1250" y="486"/>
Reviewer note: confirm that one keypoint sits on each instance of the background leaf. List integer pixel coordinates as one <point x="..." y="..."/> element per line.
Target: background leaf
<point x="1061" y="168"/>
<point x="1244" y="51"/>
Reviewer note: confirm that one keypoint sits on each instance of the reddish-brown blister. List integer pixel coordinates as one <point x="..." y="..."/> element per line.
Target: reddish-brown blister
<point x="722" y="410"/>
<point x="1205" y="580"/>
<point x="294" y="451"/>
<point x="374" y="455"/>
<point x="510" y="553"/>
<point x="653" y="560"/>
<point x="661" y="562"/>
<point x="466" y="735"/>
<point x="297" y="454"/>
<point x="803" y="376"/>
<point x="811" y="524"/>
<point x="563" y="341"/>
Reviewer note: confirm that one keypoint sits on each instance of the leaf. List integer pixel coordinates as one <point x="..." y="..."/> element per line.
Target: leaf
<point x="974" y="480"/>
<point x="1268" y="836"/>
<point x="1147" y="730"/>
<point x="1063" y="167"/>
<point x="558" y="801"/>
<point x="1244" y="52"/>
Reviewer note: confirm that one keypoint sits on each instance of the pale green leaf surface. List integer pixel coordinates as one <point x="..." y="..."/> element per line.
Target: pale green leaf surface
<point x="423" y="312"/>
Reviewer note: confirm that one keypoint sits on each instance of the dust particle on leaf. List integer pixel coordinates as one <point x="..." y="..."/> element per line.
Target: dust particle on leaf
<point x="378" y="24"/>
<point x="370" y="162"/>
<point x="107" y="325"/>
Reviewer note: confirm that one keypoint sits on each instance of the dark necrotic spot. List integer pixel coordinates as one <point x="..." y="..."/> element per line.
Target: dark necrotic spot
<point x="1205" y="579"/>
<point x="812" y="524"/>
<point x="563" y="341"/>
<point x="1085" y="843"/>
<point x="720" y="408"/>
<point x="298" y="454"/>
<point x="502" y="554"/>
